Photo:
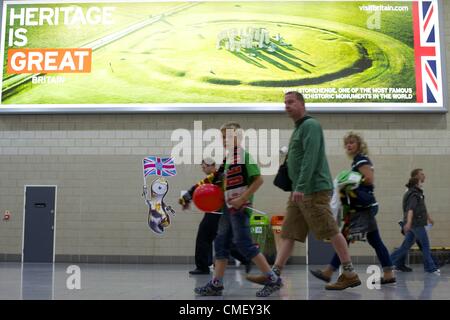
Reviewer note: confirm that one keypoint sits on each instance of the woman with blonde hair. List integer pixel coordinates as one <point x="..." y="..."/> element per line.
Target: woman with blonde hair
<point x="361" y="203"/>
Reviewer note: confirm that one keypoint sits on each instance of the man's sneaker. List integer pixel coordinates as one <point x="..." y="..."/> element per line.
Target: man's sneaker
<point x="209" y="290"/>
<point x="269" y="288"/>
<point x="319" y="275"/>
<point x="262" y="278"/>
<point x="344" y="282"/>
<point x="403" y="268"/>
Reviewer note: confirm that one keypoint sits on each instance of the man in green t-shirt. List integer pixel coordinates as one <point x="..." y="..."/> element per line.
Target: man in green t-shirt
<point x="242" y="178"/>
<point x="308" y="207"/>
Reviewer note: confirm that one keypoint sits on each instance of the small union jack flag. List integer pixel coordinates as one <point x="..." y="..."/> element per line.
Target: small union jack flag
<point x="426" y="48"/>
<point x="164" y="167"/>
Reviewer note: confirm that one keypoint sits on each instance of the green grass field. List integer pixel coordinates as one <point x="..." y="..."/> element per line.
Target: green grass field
<point x="176" y="60"/>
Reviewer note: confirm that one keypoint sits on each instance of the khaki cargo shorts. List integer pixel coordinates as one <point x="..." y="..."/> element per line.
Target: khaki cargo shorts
<point x="314" y="214"/>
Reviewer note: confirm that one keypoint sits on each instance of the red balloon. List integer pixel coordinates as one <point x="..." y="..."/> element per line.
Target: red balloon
<point x="208" y="197"/>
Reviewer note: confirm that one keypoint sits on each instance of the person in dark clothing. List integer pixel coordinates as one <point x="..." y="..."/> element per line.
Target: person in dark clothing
<point x="207" y="230"/>
<point x="419" y="174"/>
<point x="415" y="219"/>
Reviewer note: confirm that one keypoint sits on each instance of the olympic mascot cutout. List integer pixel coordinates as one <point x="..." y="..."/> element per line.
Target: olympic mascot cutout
<point x="159" y="213"/>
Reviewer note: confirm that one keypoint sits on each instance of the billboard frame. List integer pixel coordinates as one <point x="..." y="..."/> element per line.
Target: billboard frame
<point x="224" y="107"/>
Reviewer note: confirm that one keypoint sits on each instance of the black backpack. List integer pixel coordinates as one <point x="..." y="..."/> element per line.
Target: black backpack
<point x="282" y="179"/>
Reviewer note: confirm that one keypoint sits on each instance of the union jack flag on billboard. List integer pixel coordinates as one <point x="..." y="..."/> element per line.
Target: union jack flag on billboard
<point x="427" y="52"/>
<point x="164" y="167"/>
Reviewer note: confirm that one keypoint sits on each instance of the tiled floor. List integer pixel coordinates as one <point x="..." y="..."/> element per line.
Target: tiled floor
<point x="172" y="282"/>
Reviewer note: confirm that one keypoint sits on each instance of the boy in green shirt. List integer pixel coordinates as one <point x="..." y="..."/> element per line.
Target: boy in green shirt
<point x="242" y="178"/>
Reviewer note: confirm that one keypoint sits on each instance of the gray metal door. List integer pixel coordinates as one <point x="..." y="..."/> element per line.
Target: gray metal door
<point x="39" y="224"/>
<point x="319" y="252"/>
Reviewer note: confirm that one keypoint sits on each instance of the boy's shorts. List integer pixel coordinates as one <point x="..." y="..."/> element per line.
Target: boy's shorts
<point x="314" y="214"/>
<point x="234" y="228"/>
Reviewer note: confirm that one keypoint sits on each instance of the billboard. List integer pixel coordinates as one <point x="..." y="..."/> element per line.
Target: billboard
<point x="221" y="56"/>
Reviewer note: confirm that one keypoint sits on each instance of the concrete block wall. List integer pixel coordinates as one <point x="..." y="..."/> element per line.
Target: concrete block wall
<point x="95" y="160"/>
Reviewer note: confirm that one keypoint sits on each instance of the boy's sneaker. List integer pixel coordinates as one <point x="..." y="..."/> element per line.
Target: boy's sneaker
<point x="344" y="282"/>
<point x="209" y="290"/>
<point x="262" y="278"/>
<point x="269" y="288"/>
